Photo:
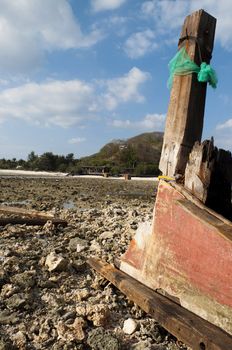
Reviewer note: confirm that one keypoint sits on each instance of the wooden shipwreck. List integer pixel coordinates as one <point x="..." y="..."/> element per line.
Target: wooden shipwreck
<point x="180" y="269"/>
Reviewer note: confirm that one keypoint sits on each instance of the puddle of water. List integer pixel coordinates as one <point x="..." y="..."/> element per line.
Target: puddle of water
<point x="69" y="205"/>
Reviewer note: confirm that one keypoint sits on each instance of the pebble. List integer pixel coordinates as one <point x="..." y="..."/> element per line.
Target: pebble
<point x="7" y="317"/>
<point x="99" y="339"/>
<point x="82" y="294"/>
<point x="16" y="301"/>
<point x="106" y="235"/>
<point x="69" y="315"/>
<point x="78" y="330"/>
<point x="20" y="339"/>
<point x="130" y="326"/>
<point x="25" y="279"/>
<point x="55" y="262"/>
<point x="78" y="265"/>
<point x="77" y="244"/>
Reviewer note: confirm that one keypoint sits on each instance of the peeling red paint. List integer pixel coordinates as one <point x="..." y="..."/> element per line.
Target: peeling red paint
<point x="188" y="254"/>
<point x="134" y="255"/>
<point x="200" y="252"/>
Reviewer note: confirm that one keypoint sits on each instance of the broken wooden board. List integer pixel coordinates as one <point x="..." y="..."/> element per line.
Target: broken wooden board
<point x="208" y="176"/>
<point x="31" y="221"/>
<point x="199" y="169"/>
<point x="184" y="122"/>
<point x="24" y="212"/>
<point x="187" y="254"/>
<point x="188" y="195"/>
<point x="187" y="327"/>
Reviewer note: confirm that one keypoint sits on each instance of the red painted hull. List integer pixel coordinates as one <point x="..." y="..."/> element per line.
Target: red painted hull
<point x="187" y="254"/>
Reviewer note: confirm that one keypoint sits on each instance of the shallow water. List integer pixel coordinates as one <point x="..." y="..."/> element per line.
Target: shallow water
<point x="69" y="205"/>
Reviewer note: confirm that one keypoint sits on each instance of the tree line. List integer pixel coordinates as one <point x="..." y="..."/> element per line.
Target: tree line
<point x="48" y="161"/>
<point x="45" y="162"/>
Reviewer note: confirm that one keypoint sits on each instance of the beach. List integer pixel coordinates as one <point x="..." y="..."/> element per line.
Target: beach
<point x="50" y="297"/>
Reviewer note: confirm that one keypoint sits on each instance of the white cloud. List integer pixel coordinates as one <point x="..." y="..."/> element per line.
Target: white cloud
<point x="117" y="20"/>
<point x="61" y="103"/>
<point x="112" y="25"/>
<point x="29" y="29"/>
<point x="66" y="103"/>
<point x="222" y="10"/>
<point x="124" y="124"/>
<point x="76" y="140"/>
<point x="223" y="139"/>
<point x="150" y="122"/>
<point x="102" y="5"/>
<point x="153" y="121"/>
<point x="225" y="125"/>
<point x="223" y="135"/>
<point x="169" y="15"/>
<point x="139" y="44"/>
<point x="125" y="89"/>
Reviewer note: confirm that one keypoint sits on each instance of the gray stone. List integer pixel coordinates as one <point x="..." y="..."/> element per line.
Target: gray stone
<point x="16" y="301"/>
<point x="25" y="279"/>
<point x="106" y="235"/>
<point x="55" y="262"/>
<point x="69" y="315"/>
<point x="146" y="345"/>
<point x="20" y="339"/>
<point x="79" y="264"/>
<point x="7" y="317"/>
<point x="95" y="246"/>
<point x="99" y="339"/>
<point x="77" y="244"/>
<point x="142" y="345"/>
<point x="47" y="284"/>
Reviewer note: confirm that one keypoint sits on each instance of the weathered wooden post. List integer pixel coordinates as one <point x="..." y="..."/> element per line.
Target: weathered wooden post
<point x="185" y="115"/>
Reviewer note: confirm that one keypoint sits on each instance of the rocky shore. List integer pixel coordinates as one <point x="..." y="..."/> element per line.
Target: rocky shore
<point x="50" y="298"/>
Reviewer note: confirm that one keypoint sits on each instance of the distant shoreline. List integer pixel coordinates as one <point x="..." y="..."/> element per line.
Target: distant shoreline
<point x="10" y="172"/>
<point x="27" y="173"/>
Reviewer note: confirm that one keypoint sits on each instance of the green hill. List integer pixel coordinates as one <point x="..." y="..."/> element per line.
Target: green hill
<point x="139" y="155"/>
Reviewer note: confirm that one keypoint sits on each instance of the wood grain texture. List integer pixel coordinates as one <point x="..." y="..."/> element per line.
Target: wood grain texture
<point x="185" y="115"/>
<point x="186" y="326"/>
<point x="25" y="212"/>
<point x="199" y="169"/>
<point x="187" y="254"/>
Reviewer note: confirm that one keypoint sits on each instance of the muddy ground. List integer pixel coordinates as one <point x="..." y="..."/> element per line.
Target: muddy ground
<point x="50" y="298"/>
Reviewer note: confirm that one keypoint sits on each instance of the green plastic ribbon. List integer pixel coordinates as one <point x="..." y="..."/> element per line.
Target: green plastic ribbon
<point x="181" y="64"/>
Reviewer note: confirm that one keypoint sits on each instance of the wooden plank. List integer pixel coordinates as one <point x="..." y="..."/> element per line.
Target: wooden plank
<point x="25" y="212"/>
<point x="223" y="229"/>
<point x="188" y="195"/>
<point x="199" y="169"/>
<point x="186" y="326"/>
<point x="185" y="115"/>
<point x="31" y="221"/>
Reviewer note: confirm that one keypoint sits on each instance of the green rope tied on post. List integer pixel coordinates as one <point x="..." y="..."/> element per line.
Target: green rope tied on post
<point x="181" y="64"/>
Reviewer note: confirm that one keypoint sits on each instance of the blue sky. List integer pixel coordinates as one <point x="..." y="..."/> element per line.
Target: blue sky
<point x="76" y="74"/>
